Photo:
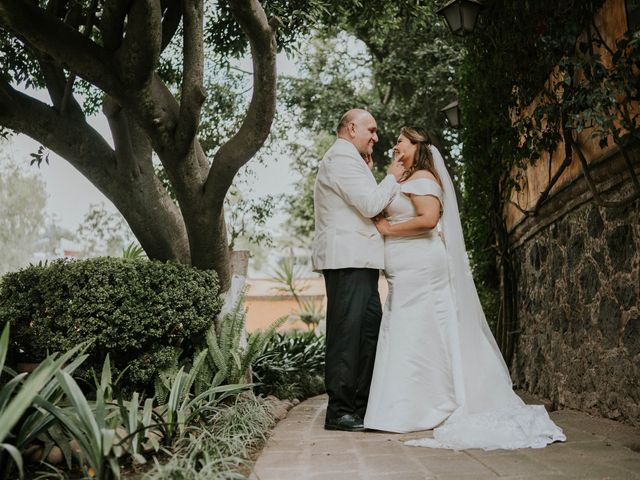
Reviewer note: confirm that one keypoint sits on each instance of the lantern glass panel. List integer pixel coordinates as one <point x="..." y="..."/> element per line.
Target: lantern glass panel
<point x="453" y="17"/>
<point x="453" y="117"/>
<point x="470" y="13"/>
<point x="452" y="112"/>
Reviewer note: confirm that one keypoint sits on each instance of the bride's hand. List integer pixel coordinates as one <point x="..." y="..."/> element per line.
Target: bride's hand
<point x="382" y="224"/>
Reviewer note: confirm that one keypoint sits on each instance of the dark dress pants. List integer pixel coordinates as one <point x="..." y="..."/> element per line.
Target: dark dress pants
<point x="353" y="322"/>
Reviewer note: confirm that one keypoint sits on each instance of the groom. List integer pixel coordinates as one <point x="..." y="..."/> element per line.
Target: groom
<point x="349" y="251"/>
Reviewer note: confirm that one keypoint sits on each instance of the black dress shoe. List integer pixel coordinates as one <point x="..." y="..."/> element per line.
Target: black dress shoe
<point x="347" y="423"/>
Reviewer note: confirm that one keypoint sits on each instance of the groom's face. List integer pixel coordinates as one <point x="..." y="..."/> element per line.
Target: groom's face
<point x="364" y="134"/>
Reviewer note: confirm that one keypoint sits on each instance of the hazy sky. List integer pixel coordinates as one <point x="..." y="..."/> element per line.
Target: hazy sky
<point x="70" y="194"/>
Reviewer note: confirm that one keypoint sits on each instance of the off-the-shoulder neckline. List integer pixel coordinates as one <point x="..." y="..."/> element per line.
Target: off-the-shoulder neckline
<point x="418" y="179"/>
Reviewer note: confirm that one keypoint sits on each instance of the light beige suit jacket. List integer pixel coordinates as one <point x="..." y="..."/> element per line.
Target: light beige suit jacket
<point x="345" y="198"/>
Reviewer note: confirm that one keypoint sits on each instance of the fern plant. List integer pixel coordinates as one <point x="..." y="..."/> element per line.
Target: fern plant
<point x="228" y="361"/>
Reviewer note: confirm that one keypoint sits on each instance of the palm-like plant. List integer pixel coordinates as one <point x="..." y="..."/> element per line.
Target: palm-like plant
<point x="286" y="277"/>
<point x="134" y="251"/>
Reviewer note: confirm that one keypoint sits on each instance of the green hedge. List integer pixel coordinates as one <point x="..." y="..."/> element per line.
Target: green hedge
<point x="142" y="312"/>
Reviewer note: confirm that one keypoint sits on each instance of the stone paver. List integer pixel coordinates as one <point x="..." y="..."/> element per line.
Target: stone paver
<point x="300" y="448"/>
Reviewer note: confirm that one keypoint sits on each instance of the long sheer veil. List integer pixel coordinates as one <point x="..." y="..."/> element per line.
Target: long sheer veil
<point x="481" y="358"/>
<point x="489" y="414"/>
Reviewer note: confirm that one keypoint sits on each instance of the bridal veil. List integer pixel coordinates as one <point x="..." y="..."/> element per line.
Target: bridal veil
<point x="489" y="414"/>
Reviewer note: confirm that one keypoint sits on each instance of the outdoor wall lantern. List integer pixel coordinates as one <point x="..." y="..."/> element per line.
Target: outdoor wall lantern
<point x="452" y="112"/>
<point x="461" y="15"/>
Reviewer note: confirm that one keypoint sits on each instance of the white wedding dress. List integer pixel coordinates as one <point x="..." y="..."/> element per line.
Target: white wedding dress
<point x="437" y="363"/>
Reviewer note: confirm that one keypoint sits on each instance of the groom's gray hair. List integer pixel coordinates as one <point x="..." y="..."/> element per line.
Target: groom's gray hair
<point x="349" y="117"/>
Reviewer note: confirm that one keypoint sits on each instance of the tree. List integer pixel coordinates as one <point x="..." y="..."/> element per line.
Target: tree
<point x="121" y="54"/>
<point x="22" y="203"/>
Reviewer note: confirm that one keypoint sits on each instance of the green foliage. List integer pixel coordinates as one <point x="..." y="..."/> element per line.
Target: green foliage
<point x="228" y="360"/>
<point x="223" y="445"/>
<point x="310" y="311"/>
<point x="593" y="89"/>
<point x="246" y="219"/>
<point x="94" y="429"/>
<point x="141" y="312"/>
<point x="182" y="408"/>
<point x="204" y="436"/>
<point x="133" y="251"/>
<point x="103" y="233"/>
<point x="509" y="58"/>
<point x="292" y="366"/>
<point x="16" y="397"/>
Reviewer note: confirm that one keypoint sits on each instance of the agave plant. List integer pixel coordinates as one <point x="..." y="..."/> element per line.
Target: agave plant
<point x="93" y="427"/>
<point x="40" y="424"/>
<point x="183" y="408"/>
<point x="19" y="394"/>
<point x="137" y="421"/>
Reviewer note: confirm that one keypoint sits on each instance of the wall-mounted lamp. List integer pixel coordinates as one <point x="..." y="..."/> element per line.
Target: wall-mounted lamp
<point x="461" y="15"/>
<point x="452" y="112"/>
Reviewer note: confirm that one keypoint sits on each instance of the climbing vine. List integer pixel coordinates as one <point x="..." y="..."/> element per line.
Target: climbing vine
<point x="535" y="73"/>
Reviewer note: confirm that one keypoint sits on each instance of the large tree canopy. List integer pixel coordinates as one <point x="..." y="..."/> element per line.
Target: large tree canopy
<point x="144" y="63"/>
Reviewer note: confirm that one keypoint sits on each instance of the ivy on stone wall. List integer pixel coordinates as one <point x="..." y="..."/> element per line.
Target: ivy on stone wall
<point x="510" y="56"/>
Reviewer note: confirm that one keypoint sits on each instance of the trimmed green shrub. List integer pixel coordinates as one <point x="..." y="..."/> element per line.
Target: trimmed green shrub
<point x="292" y="366"/>
<point x="144" y="313"/>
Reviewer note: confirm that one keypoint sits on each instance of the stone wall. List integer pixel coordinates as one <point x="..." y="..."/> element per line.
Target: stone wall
<point x="578" y="307"/>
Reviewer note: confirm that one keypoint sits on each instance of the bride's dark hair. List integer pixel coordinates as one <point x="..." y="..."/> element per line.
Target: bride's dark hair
<point x="423" y="159"/>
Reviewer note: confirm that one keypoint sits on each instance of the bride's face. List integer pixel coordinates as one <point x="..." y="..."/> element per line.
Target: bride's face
<point x="405" y="151"/>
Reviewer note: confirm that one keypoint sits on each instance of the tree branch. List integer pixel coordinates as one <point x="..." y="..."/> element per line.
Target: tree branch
<point x="140" y="50"/>
<point x="153" y="217"/>
<point x="55" y="83"/>
<point x="70" y="137"/>
<point x="594" y="189"/>
<point x="172" y="14"/>
<point x="47" y="34"/>
<point x="193" y="93"/>
<point x="257" y="123"/>
<point x="67" y="96"/>
<point x="131" y="143"/>
<point x="114" y="13"/>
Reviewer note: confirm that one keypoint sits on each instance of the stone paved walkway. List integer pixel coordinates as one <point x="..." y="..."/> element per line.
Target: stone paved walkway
<point x="300" y="448"/>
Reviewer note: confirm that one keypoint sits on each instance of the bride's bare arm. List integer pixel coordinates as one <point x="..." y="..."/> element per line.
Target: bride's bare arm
<point x="427" y="216"/>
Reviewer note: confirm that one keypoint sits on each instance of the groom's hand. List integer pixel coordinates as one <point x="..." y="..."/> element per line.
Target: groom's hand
<point x="396" y="168"/>
<point x="368" y="159"/>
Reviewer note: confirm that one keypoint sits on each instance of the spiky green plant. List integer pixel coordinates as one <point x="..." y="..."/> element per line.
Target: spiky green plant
<point x="222" y="445"/>
<point x="133" y="250"/>
<point x="18" y="395"/>
<point x="228" y="360"/>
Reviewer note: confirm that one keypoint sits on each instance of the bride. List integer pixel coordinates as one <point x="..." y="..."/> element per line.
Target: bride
<point x="437" y="364"/>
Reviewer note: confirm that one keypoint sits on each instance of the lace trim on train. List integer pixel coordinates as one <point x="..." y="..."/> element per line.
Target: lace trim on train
<point x="527" y="426"/>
